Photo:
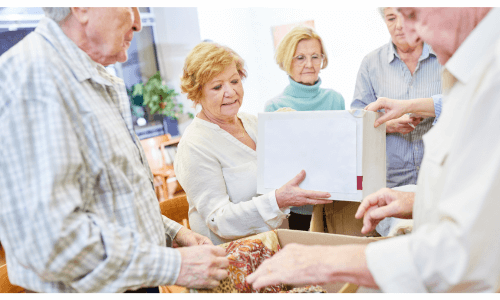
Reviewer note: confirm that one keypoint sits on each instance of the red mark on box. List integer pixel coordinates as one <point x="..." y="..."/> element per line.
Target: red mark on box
<point x="360" y="183"/>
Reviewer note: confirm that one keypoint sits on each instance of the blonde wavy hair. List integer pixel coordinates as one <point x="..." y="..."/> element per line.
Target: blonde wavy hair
<point x="288" y="45"/>
<point x="203" y="63"/>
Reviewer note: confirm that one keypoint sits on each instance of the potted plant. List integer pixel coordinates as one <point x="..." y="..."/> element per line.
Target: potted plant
<point x="159" y="97"/>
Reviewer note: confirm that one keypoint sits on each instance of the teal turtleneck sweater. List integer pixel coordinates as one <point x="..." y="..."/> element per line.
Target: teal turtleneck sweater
<point x="305" y="98"/>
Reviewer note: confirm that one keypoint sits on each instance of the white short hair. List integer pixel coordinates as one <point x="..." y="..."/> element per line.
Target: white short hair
<point x="56" y="13"/>
<point x="381" y="10"/>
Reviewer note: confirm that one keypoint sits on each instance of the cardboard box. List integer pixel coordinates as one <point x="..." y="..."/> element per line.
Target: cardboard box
<point x="341" y="152"/>
<point x="286" y="236"/>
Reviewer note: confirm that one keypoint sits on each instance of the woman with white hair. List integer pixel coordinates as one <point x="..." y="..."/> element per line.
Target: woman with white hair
<point x="301" y="54"/>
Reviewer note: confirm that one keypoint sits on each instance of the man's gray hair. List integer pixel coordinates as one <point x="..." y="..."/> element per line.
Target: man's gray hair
<point x="381" y="10"/>
<point x="56" y="13"/>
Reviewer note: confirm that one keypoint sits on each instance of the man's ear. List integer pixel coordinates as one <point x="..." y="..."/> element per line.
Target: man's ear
<point x="81" y="14"/>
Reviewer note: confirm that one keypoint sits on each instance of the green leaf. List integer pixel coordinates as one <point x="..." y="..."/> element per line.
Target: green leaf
<point x="137" y="89"/>
<point x="154" y="93"/>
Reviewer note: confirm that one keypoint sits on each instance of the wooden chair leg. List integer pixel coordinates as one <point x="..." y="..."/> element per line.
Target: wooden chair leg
<point x="171" y="187"/>
<point x="165" y="189"/>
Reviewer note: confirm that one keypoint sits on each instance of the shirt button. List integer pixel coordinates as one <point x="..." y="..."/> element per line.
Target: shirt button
<point x="418" y="168"/>
<point x="416" y="148"/>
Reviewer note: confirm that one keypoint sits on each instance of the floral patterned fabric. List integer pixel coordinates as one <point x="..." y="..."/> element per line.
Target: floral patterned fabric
<point x="245" y="256"/>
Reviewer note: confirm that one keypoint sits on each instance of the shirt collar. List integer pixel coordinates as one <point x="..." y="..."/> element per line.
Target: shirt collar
<point x="475" y="46"/>
<point x="80" y="63"/>
<point x="392" y="53"/>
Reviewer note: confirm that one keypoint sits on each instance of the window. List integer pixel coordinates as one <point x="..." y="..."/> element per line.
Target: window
<point x="17" y="22"/>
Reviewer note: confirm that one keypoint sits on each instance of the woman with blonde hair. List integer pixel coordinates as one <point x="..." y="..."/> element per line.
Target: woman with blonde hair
<point x="301" y="54"/>
<point x="216" y="161"/>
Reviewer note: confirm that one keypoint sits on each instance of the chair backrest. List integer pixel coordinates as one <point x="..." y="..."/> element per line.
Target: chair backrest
<point x="2" y="255"/>
<point x="176" y="209"/>
<point x="5" y="285"/>
<point x="152" y="150"/>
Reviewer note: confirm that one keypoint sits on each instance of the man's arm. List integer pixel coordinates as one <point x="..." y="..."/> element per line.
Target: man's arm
<point x="43" y="216"/>
<point x="394" y="109"/>
<point x="454" y="251"/>
<point x="301" y="265"/>
<point x="364" y="95"/>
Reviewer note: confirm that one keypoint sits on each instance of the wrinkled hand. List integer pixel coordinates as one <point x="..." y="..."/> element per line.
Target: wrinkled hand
<point x="301" y="265"/>
<point x="393" y="109"/>
<point x="402" y="124"/>
<point x="202" y="266"/>
<point x="294" y="264"/>
<point x="292" y="195"/>
<point x="384" y="203"/>
<point x="186" y="238"/>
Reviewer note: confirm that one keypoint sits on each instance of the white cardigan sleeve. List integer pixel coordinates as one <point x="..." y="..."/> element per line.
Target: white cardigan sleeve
<point x="200" y="174"/>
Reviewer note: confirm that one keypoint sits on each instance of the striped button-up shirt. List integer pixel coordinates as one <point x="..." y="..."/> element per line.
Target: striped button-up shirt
<point x="384" y="74"/>
<point x="78" y="212"/>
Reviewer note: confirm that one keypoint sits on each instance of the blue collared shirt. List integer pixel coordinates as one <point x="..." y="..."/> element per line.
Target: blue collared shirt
<point x="384" y="74"/>
<point x="78" y="212"/>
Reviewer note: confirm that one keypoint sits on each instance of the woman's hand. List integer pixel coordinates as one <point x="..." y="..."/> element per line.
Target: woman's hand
<point x="292" y="195"/>
<point x="384" y="203"/>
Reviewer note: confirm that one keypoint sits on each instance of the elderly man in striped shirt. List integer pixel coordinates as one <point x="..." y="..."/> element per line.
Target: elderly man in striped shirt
<point x="401" y="71"/>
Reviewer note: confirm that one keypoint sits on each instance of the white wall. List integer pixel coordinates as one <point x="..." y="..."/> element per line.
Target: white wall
<point x="348" y="36"/>
<point x="177" y="32"/>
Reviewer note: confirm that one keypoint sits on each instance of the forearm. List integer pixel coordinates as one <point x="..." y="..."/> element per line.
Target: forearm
<point x="171" y="227"/>
<point x="347" y="263"/>
<point x="235" y="220"/>
<point x="208" y="191"/>
<point x="421" y="106"/>
<point x="122" y="260"/>
<point x="227" y="219"/>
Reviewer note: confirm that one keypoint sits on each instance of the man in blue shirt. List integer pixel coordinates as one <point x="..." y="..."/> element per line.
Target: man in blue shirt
<point x="400" y="71"/>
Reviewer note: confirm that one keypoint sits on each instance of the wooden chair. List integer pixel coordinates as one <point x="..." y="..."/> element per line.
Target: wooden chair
<point x="5" y="285"/>
<point x="176" y="209"/>
<point x="2" y="256"/>
<point x="153" y="148"/>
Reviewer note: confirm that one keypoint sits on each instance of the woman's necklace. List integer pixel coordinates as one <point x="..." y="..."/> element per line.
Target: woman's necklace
<point x="238" y="133"/>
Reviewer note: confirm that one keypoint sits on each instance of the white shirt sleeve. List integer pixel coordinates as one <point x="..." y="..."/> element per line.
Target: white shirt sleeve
<point x="457" y="247"/>
<point x="201" y="176"/>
